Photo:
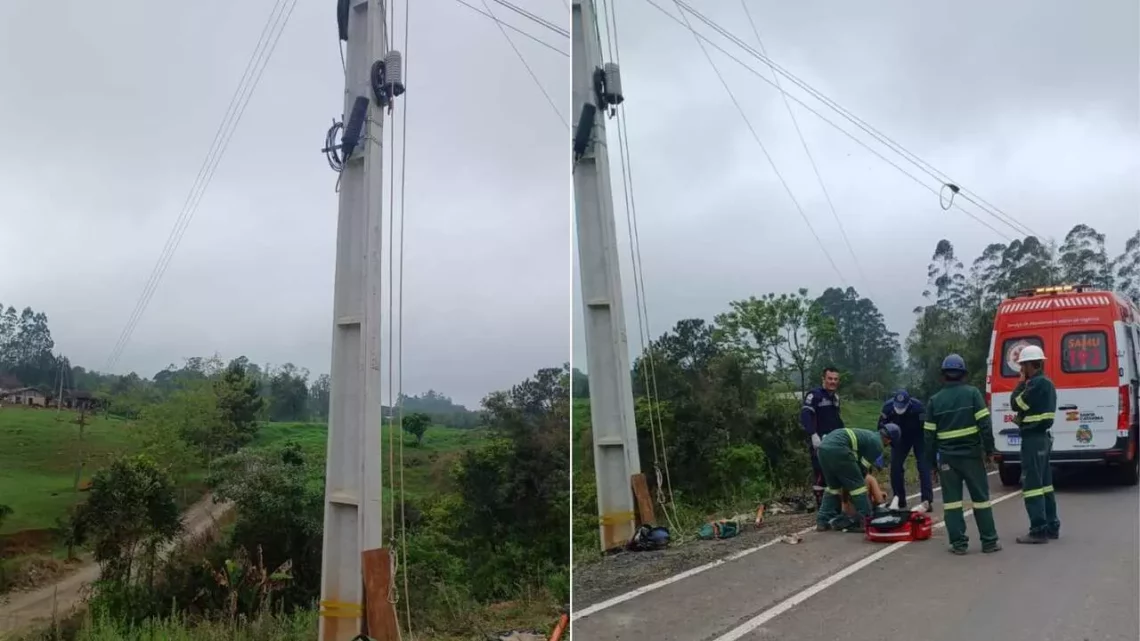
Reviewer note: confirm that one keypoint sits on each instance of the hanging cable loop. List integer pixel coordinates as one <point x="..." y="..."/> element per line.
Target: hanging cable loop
<point x="942" y="201"/>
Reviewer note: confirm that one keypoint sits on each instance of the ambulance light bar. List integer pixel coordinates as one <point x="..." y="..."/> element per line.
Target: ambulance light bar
<point x="1054" y="289"/>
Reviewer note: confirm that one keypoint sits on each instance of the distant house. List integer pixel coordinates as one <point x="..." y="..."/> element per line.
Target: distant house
<point x="78" y="399"/>
<point x="23" y="396"/>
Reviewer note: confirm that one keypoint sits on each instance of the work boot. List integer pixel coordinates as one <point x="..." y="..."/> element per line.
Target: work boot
<point x="1032" y="539"/>
<point x="996" y="547"/>
<point x="1053" y="535"/>
<point x="822" y="527"/>
<point x="959" y="551"/>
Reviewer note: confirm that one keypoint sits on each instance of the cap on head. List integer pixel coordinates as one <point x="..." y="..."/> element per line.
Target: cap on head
<point x="954" y="363"/>
<point x="901" y="401"/>
<point x="1030" y="353"/>
<point x="891" y="432"/>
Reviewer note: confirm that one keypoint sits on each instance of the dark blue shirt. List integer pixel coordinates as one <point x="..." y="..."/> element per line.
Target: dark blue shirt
<point x="909" y="421"/>
<point x="820" y="412"/>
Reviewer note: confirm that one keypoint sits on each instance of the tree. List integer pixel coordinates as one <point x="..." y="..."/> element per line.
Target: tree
<point x="289" y="394"/>
<point x="1128" y="268"/>
<point x="280" y="511"/>
<point x="130" y="509"/>
<point x="1084" y="260"/>
<point x="861" y="347"/>
<point x="416" y="424"/>
<point x="239" y="404"/>
<point x="780" y="335"/>
<point x="580" y="383"/>
<point x="319" y="397"/>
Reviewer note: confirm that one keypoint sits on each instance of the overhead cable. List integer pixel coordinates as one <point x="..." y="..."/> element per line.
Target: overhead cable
<point x="526" y="65"/>
<point x="255" y="67"/>
<point x="921" y="164"/>
<point x="810" y="156"/>
<point x="764" y="149"/>
<point x="512" y="28"/>
<point x="812" y="110"/>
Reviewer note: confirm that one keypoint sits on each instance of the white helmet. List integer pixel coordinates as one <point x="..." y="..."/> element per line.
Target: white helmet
<point x="1029" y="354"/>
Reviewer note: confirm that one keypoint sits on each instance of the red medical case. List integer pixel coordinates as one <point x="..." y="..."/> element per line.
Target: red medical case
<point x="899" y="526"/>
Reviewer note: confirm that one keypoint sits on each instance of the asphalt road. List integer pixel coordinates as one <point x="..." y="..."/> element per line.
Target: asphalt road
<point x="1083" y="587"/>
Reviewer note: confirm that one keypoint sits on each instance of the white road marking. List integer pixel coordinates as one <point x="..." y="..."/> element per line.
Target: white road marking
<point x="646" y="589"/>
<point x="805" y="594"/>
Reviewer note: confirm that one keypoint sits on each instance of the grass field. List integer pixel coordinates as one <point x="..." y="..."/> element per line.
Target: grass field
<point x="39" y="449"/>
<point x="427" y="465"/>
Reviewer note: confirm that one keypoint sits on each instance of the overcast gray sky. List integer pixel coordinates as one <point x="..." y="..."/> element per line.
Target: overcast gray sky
<point x="1033" y="105"/>
<point x="109" y="110"/>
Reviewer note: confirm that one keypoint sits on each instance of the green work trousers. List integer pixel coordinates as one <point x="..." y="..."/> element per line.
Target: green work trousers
<point x="956" y="471"/>
<point x="841" y="471"/>
<point x="1037" y="484"/>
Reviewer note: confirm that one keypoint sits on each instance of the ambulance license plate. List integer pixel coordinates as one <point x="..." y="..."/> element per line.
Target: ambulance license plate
<point x="1014" y="440"/>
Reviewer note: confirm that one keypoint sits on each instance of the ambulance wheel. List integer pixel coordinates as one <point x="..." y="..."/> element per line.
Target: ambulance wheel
<point x="1010" y="474"/>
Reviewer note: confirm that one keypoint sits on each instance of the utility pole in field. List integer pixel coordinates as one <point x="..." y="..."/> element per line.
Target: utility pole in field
<point x="356" y="570"/>
<point x="596" y="88"/>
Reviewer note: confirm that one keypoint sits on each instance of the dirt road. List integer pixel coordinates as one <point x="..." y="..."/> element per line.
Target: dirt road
<point x="839" y="587"/>
<point x="25" y="609"/>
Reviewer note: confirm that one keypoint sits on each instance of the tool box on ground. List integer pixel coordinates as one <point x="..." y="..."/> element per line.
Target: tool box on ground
<point x="899" y="525"/>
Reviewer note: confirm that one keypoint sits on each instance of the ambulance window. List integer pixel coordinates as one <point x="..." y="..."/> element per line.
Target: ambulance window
<point x="1011" y="349"/>
<point x="1084" y="352"/>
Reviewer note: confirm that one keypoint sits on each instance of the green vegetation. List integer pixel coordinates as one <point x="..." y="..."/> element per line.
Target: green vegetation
<point x="723" y="397"/>
<point x="480" y="500"/>
<point x="39" y="450"/>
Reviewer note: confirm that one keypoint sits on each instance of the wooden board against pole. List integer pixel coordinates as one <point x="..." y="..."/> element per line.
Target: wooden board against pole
<point x="644" y="503"/>
<point x="379" y="611"/>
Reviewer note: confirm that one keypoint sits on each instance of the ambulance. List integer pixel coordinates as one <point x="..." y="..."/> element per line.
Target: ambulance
<point x="1091" y="340"/>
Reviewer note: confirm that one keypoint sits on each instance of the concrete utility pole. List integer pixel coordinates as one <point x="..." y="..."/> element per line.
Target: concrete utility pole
<point x="353" y="477"/>
<point x="616" y="458"/>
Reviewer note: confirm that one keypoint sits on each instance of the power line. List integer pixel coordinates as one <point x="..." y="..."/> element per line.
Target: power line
<point x="841" y="130"/>
<point x="512" y="28"/>
<point x="525" y="64"/>
<point x="756" y="137"/>
<point x="263" y="51"/>
<point x="858" y="122"/>
<point x="807" y="151"/>
<point x="657" y="433"/>
<point x="533" y="18"/>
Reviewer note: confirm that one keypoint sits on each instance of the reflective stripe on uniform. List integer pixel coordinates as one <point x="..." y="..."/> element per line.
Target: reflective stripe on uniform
<point x="1037" y="418"/>
<point x="955" y="505"/>
<point x="980" y="414"/>
<point x="1029" y="494"/>
<point x="965" y="431"/>
<point x="859" y="490"/>
<point x="1047" y="489"/>
<point x="834" y="491"/>
<point x="982" y="505"/>
<point x="855" y="446"/>
<point x="930" y="427"/>
<point x="1020" y="400"/>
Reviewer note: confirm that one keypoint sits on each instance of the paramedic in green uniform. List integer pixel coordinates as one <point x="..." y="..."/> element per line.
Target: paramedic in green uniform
<point x="960" y="434"/>
<point x="1035" y="404"/>
<point x="845" y="457"/>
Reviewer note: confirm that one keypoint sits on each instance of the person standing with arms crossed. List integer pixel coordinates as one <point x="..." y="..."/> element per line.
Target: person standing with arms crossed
<point x="1035" y="406"/>
<point x="819" y="417"/>
<point x="961" y="436"/>
<point x="908" y="414"/>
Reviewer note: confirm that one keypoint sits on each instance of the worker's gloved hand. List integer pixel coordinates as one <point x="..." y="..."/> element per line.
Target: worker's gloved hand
<point x="815" y="441"/>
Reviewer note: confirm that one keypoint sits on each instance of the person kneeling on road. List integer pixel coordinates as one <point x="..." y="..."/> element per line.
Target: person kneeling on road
<point x="845" y="457"/>
<point x="960" y="438"/>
